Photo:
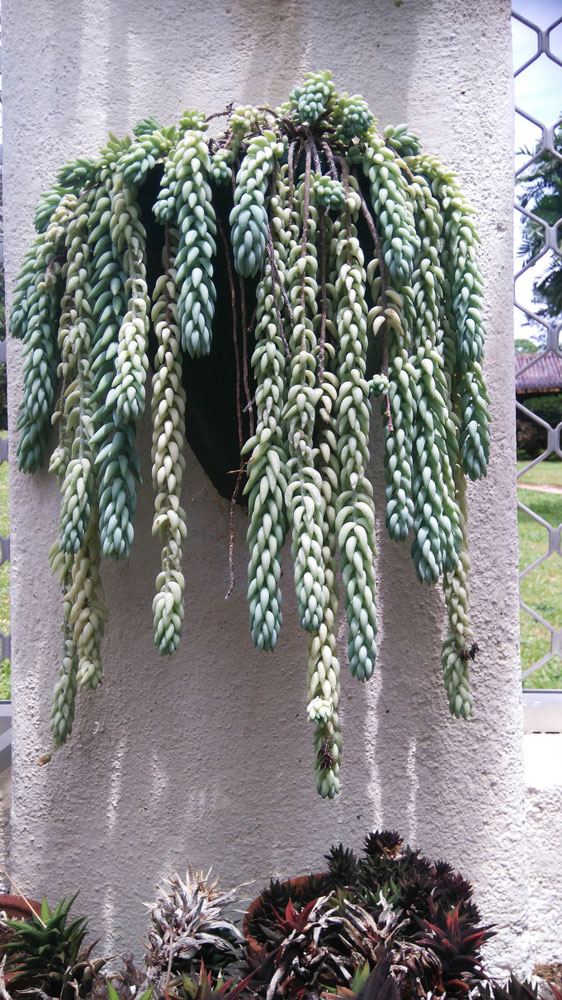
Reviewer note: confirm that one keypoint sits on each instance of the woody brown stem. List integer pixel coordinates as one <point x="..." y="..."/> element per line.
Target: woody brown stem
<point x="382" y="269"/>
<point x="233" y="500"/>
<point x="167" y="270"/>
<point x="224" y="242"/>
<point x="331" y="161"/>
<point x="276" y="283"/>
<point x="245" y="329"/>
<point x="345" y="179"/>
<point x="315" y="157"/>
<point x="322" y="338"/>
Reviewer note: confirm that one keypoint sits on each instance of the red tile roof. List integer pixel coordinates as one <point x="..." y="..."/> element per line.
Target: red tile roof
<point x="544" y="375"/>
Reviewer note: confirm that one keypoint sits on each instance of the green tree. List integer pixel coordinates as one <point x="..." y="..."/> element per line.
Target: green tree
<point x="543" y="197"/>
<point x="526" y="346"/>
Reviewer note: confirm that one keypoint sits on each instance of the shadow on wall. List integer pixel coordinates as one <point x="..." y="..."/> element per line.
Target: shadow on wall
<point x="201" y="758"/>
<point x="410" y="700"/>
<point x="278" y="52"/>
<point x="428" y="767"/>
<point x="115" y="62"/>
<point x="197" y="758"/>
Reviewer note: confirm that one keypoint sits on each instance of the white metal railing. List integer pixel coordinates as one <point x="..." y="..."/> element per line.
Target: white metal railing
<point x="537" y="38"/>
<point x="5" y="734"/>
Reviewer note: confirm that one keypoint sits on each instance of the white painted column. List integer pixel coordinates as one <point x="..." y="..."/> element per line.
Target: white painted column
<point x="207" y="757"/>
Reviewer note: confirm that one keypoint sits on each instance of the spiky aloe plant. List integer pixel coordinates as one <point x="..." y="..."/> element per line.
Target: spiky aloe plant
<point x="323" y="945"/>
<point x="342" y="865"/>
<point x="408" y="881"/>
<point x="46" y="953"/>
<point x="405" y="971"/>
<point x="204" y="986"/>
<point x="514" y="989"/>
<point x="187" y="927"/>
<point x="456" y="942"/>
<point x="389" y="962"/>
<point x="129" y="983"/>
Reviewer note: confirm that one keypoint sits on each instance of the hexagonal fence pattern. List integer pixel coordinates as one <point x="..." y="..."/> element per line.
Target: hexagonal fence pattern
<point x="537" y="47"/>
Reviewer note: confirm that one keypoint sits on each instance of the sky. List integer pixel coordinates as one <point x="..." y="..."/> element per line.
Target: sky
<point x="538" y="91"/>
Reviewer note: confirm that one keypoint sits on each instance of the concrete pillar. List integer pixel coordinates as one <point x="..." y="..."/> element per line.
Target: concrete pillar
<point x="206" y="758"/>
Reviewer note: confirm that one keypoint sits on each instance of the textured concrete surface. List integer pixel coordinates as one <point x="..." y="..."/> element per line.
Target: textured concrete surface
<point x="5" y="798"/>
<point x="207" y="757"/>
<point x="543" y="836"/>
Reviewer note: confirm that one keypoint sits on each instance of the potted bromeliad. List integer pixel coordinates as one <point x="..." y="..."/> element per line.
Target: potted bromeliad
<point x="387" y="924"/>
<point x="309" y="268"/>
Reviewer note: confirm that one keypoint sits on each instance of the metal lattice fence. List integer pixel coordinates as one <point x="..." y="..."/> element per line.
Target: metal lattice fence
<point x="537" y="45"/>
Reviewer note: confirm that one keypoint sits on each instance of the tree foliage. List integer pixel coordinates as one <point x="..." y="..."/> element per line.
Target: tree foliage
<point x="523" y="346"/>
<point x="543" y="197"/>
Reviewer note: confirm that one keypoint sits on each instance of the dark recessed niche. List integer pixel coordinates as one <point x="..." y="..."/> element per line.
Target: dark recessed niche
<point x="217" y="386"/>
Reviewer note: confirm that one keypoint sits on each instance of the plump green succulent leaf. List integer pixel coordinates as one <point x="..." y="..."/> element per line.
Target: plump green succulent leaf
<point x="364" y="251"/>
<point x="46" y="950"/>
<point x="112" y="992"/>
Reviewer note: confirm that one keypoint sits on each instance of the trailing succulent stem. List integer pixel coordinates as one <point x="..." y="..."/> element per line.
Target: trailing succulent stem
<point x="361" y="254"/>
<point x="168" y="462"/>
<point x="267" y="465"/>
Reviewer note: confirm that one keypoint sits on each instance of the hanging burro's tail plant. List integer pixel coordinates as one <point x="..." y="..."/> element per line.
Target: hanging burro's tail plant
<point x="346" y="264"/>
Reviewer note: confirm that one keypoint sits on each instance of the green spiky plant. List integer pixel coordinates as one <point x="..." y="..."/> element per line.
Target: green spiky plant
<point x="337" y="946"/>
<point x="388" y="923"/>
<point x="46" y="954"/>
<point x="359" y="252"/>
<point x="204" y="986"/>
<point x="387" y="869"/>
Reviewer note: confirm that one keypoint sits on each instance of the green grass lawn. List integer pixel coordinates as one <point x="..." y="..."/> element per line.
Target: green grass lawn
<point x="542" y="588"/>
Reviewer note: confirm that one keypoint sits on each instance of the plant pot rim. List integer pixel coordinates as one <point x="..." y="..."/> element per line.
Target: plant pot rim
<point x="16" y="907"/>
<point x="254" y="946"/>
